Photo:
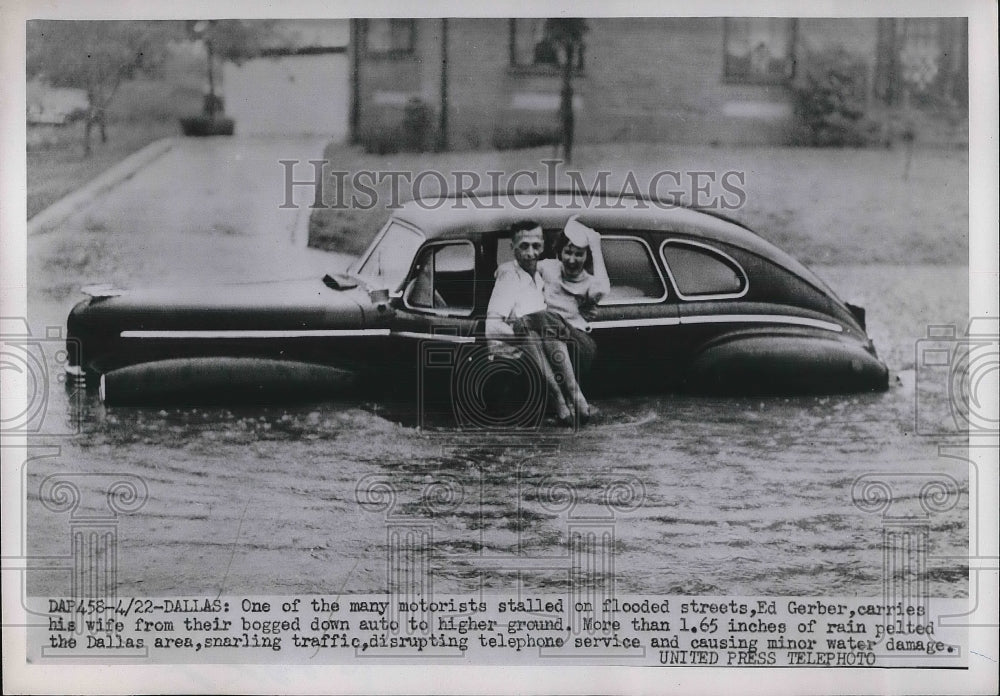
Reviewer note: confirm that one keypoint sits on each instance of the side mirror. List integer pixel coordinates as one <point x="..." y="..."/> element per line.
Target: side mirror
<point x="380" y="298"/>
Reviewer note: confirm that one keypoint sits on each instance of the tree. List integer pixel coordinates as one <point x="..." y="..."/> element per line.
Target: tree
<point x="567" y="36"/>
<point x="96" y="56"/>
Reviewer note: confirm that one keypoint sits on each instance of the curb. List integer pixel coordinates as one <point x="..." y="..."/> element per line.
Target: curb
<point x="303" y="212"/>
<point x="300" y="230"/>
<point x="72" y="202"/>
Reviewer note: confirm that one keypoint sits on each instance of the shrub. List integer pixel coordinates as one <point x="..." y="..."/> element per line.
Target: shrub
<point x="416" y="132"/>
<point x="378" y="139"/>
<point x="829" y="103"/>
<point x="521" y="137"/>
<point x="212" y="104"/>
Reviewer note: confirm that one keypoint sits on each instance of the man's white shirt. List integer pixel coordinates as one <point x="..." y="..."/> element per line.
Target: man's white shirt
<point x="516" y="294"/>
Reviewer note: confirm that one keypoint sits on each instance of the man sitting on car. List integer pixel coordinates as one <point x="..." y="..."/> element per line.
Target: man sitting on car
<point x="517" y="309"/>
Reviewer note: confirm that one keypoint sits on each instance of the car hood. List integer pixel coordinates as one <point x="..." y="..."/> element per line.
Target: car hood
<point x="300" y="304"/>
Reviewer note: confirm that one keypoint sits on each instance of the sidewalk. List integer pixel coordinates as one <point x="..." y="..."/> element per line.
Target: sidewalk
<point x="206" y="211"/>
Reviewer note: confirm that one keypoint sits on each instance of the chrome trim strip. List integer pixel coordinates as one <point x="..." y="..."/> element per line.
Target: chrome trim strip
<point x="250" y="333"/>
<point x="763" y="319"/>
<point x="634" y="323"/>
<point x="451" y="338"/>
<point x="720" y="319"/>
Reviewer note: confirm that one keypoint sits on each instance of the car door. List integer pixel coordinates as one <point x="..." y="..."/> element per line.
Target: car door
<point x="634" y="326"/>
<point x="433" y="320"/>
<point x="712" y="291"/>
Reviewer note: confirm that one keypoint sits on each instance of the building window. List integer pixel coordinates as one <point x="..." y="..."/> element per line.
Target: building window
<point x="389" y="37"/>
<point x="759" y="50"/>
<point x="530" y="47"/>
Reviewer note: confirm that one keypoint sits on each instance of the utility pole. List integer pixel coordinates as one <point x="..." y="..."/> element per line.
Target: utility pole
<point x="442" y="144"/>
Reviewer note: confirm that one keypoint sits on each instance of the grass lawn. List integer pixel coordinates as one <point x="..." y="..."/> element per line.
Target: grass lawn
<point x="824" y="206"/>
<point x="61" y="168"/>
<point x="143" y="111"/>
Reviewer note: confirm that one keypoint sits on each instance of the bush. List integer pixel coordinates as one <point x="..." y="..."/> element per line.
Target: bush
<point x="416" y="133"/>
<point x="830" y="103"/>
<point x="212" y="104"/>
<point x="523" y="137"/>
<point x="378" y="139"/>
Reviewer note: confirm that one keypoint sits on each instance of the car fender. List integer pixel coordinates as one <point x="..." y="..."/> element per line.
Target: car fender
<point x="222" y="380"/>
<point x="785" y="363"/>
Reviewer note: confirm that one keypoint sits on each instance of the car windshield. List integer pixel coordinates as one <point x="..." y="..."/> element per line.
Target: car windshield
<point x="386" y="262"/>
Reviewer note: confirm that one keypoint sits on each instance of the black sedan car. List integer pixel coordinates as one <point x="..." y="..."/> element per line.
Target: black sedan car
<point x="697" y="302"/>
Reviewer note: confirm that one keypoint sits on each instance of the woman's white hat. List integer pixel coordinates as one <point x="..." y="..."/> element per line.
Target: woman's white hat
<point x="577" y="233"/>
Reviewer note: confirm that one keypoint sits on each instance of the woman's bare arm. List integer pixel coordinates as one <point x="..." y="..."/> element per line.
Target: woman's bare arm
<point x="602" y="286"/>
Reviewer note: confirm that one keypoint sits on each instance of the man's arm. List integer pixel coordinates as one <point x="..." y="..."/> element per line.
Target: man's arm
<point x="501" y="305"/>
<point x="498" y="329"/>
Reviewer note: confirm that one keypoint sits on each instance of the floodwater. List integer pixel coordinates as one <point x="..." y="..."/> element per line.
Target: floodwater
<point x="661" y="494"/>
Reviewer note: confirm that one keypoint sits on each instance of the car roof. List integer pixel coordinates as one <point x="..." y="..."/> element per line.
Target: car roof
<point x="451" y="217"/>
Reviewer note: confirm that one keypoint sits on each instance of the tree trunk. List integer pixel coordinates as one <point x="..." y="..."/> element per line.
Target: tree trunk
<point x="88" y="123"/>
<point x="211" y="80"/>
<point x="442" y="139"/>
<point x="566" y="105"/>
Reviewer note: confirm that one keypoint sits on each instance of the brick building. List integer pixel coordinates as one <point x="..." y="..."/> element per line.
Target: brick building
<point x="682" y="80"/>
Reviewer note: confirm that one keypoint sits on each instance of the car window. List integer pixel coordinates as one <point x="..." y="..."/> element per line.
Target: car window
<point x="387" y="262"/>
<point x="632" y="271"/>
<point x="701" y="272"/>
<point x="444" y="279"/>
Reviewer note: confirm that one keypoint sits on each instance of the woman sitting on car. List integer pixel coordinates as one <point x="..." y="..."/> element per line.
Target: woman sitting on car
<point x="570" y="290"/>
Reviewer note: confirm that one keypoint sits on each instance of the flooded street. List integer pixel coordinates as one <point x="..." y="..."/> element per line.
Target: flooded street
<point x="664" y="493"/>
<point x="688" y="495"/>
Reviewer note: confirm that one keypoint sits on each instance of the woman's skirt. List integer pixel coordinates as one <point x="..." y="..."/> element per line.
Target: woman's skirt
<point x="549" y="325"/>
